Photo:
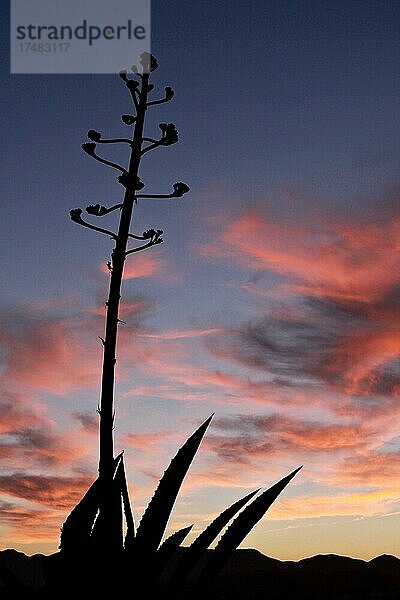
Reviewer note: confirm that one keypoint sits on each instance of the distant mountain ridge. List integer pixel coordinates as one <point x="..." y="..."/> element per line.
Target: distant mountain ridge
<point x="252" y="575"/>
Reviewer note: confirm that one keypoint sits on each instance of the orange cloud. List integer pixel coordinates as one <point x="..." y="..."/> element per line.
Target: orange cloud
<point x="340" y="259"/>
<point x="147" y="441"/>
<point x="375" y="468"/>
<point x="56" y="492"/>
<point x="356" y="504"/>
<point x="29" y="524"/>
<point x="246" y="438"/>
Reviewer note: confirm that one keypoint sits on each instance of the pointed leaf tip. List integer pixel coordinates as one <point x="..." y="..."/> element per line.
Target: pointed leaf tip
<point x="203" y="427"/>
<point x="293" y="473"/>
<point x="117" y="462"/>
<point x="154" y="520"/>
<point x="187" y="529"/>
<point x="241" y="526"/>
<point x="199" y="547"/>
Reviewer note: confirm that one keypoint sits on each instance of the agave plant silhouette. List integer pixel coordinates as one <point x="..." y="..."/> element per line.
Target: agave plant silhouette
<point x="94" y="556"/>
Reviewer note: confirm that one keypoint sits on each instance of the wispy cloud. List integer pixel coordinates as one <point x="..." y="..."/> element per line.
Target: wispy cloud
<point x="45" y="352"/>
<point x="88" y="421"/>
<point x="54" y="491"/>
<point x="374" y="468"/>
<point x="26" y="523"/>
<point x="339" y="259"/>
<point x="59" y="353"/>
<point x="146" y="265"/>
<point x="182" y="334"/>
<point x="337" y="321"/>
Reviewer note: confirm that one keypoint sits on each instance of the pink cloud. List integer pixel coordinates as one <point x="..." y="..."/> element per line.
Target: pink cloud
<point x="345" y="331"/>
<point x="59" y="353"/>
<point x="54" y="491"/>
<point x="246" y="438"/>
<point x="146" y="264"/>
<point x="360" y="355"/>
<point x="48" y="355"/>
<point x="182" y="334"/>
<point x="373" y="468"/>
<point x="342" y="259"/>
<point x="148" y="441"/>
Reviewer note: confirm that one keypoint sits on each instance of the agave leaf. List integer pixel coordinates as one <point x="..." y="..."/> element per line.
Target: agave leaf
<point x="154" y="521"/>
<point x="107" y="530"/>
<point x="130" y="523"/>
<point x="167" y="548"/>
<point x="117" y="462"/>
<point x="77" y="528"/>
<point x="239" y="529"/>
<point x="197" y="549"/>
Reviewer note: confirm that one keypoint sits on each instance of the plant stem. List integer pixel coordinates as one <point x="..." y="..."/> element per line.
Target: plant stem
<point x="106" y="460"/>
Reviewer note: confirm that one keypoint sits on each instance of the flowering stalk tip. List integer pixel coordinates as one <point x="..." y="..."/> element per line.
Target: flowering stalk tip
<point x="169" y="93"/>
<point x="128" y="119"/>
<point x="75" y="215"/>
<point x="89" y="148"/>
<point x="97" y="210"/>
<point x="180" y="189"/>
<point x="169" y="134"/>
<point x="94" y="135"/>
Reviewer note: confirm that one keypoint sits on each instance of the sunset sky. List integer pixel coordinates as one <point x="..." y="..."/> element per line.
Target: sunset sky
<point x="273" y="302"/>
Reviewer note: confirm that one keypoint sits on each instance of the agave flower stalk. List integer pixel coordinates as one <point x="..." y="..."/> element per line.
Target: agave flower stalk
<point x="129" y="178"/>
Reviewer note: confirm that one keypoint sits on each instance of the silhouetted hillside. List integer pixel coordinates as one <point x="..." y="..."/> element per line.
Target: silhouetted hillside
<point x="250" y="575"/>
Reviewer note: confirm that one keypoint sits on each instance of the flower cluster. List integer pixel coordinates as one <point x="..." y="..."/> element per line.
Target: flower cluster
<point x="76" y="215"/>
<point x="169" y="93"/>
<point x="128" y="119"/>
<point x="89" y="148"/>
<point x="169" y="134"/>
<point x="180" y="189"/>
<point x="153" y="234"/>
<point x="127" y="182"/>
<point x="94" y="135"/>
<point x="132" y="84"/>
<point x="96" y="209"/>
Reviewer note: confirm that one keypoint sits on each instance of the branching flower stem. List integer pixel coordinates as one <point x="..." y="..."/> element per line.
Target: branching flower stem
<point x="109" y="524"/>
<point x="119" y="253"/>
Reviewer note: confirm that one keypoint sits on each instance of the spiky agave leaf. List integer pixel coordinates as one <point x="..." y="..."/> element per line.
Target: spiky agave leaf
<point x="240" y="528"/>
<point x="130" y="523"/>
<point x="77" y="528"/>
<point x="198" y="548"/>
<point x="154" y="521"/>
<point x="168" y="548"/>
<point x="108" y="528"/>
